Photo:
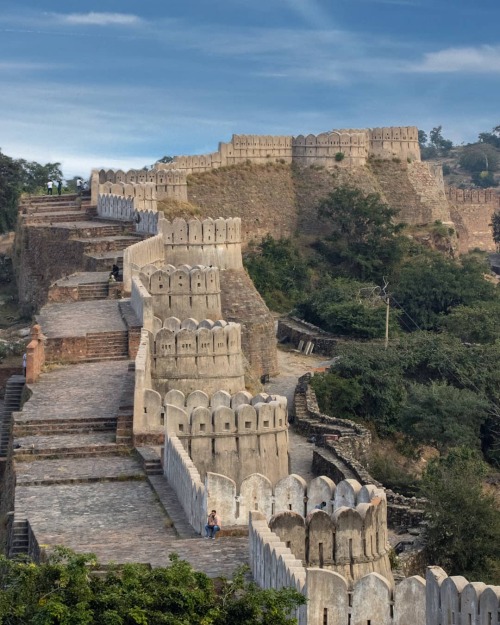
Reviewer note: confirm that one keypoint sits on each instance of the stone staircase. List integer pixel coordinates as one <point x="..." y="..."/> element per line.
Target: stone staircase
<point x="44" y="427"/>
<point x="107" y="346"/>
<point x="12" y="403"/>
<point x="94" y="290"/>
<point x="56" y="446"/>
<point x="19" y="538"/>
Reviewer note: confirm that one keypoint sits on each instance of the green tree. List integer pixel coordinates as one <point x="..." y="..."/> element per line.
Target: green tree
<point x="479" y="157"/>
<point x="279" y="272"/>
<point x="10" y="190"/>
<point x="495" y="226"/>
<point x="463" y="535"/>
<point x="64" y="591"/>
<point x="430" y="285"/>
<point x="474" y="324"/>
<point x="484" y="179"/>
<point x="443" y="416"/>
<point x="422" y="138"/>
<point x="364" y="243"/>
<point x="493" y="137"/>
<point x="348" y="308"/>
<point x="35" y="175"/>
<point x="442" y="145"/>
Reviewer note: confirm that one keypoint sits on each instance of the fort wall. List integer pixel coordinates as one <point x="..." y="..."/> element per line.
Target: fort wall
<point x="147" y="252"/>
<point x="472" y="211"/>
<point x="110" y="206"/>
<point x="135" y="183"/>
<point x="346" y="148"/>
<point x="181" y="473"/>
<point x="211" y="242"/>
<point x="184" y="292"/>
<point x="192" y="355"/>
<point x="235" y="436"/>
<point x="35" y="355"/>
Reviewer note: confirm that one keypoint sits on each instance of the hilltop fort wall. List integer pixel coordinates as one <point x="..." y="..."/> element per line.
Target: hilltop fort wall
<point x="348" y="148"/>
<point x="372" y="599"/>
<point x="472" y="211"/>
<point x="138" y="183"/>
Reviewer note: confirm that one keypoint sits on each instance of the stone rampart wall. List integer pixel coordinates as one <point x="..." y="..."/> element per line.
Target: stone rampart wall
<point x="147" y="252"/>
<point x="196" y="355"/>
<point x="472" y="211"/>
<point x="300" y="333"/>
<point x="147" y="221"/>
<point x="211" y="242"/>
<point x="184" y="478"/>
<point x="272" y="563"/>
<point x="111" y="206"/>
<point x="352" y="541"/>
<point x="144" y="196"/>
<point x="142" y="304"/>
<point x="234" y="436"/>
<point x="142" y="382"/>
<point x="183" y="292"/>
<point x="166" y="183"/>
<point x="324" y="149"/>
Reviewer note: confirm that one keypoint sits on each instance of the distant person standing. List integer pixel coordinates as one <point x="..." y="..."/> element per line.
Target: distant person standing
<point x="25" y="359"/>
<point x="79" y="184"/>
<point x="59" y="187"/>
<point x="50" y="184"/>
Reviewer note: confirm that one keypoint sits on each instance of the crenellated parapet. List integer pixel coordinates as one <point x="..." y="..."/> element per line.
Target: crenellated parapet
<point x="473" y="196"/>
<point x="351" y="540"/>
<point x="395" y="142"/>
<point x="144" y="196"/>
<point x="184" y="292"/>
<point x="167" y="183"/>
<point x="211" y="242"/>
<point x="192" y="355"/>
<point x="337" y="147"/>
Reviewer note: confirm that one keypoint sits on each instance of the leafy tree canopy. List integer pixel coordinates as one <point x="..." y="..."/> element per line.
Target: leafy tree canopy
<point x="430" y="285"/>
<point x="64" y="591"/>
<point x="479" y="157"/>
<point x="10" y="190"/>
<point x="348" y="308"/>
<point x="463" y="534"/>
<point x="364" y="243"/>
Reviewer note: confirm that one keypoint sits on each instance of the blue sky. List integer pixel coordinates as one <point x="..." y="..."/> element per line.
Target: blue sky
<point x="120" y="84"/>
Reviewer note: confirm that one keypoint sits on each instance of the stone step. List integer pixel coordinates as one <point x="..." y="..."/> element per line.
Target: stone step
<point x="40" y="209"/>
<point x="64" y="427"/>
<point x="103" y="261"/>
<point x="55" y="218"/>
<point x="107" y="243"/>
<point x="112" y="449"/>
<point x="53" y="199"/>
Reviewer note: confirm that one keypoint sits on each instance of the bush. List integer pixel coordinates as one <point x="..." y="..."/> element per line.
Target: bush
<point x="339" y="156"/>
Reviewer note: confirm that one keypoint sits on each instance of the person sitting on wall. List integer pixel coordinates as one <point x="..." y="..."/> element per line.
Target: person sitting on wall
<point x="115" y="272"/>
<point x="213" y="525"/>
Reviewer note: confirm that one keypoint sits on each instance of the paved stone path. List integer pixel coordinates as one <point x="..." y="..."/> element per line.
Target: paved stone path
<point x="292" y="366"/>
<point x="88" y="390"/>
<point x="81" y="317"/>
<point x="84" y="277"/>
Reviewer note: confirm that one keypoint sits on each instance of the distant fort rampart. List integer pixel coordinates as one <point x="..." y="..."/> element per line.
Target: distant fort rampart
<point x="345" y="148"/>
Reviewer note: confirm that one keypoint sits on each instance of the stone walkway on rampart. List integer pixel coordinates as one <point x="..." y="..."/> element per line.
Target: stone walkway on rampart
<point x="80" y="318"/>
<point x="76" y="485"/>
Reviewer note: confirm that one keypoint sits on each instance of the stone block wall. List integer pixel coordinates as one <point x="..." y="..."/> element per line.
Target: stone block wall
<point x="147" y="252"/>
<point x="110" y="206"/>
<point x="171" y="183"/>
<point x="352" y="540"/>
<point x="211" y="242"/>
<point x="323" y="149"/>
<point x="472" y="211"/>
<point x="184" y="478"/>
<point x="184" y="292"/>
<point x="35" y="355"/>
<point x="235" y="436"/>
<point x="192" y="355"/>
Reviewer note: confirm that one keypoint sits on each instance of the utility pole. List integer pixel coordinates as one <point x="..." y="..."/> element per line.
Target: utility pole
<point x="387" y="301"/>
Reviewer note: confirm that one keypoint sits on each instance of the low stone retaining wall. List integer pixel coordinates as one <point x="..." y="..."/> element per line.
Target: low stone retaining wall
<point x="299" y="333"/>
<point x="341" y="444"/>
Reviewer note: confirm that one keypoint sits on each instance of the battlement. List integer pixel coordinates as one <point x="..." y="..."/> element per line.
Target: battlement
<point x="111" y="206"/>
<point x="473" y="196"/>
<point x="211" y="242"/>
<point x="239" y="414"/>
<point x="191" y="355"/>
<point x="166" y="182"/>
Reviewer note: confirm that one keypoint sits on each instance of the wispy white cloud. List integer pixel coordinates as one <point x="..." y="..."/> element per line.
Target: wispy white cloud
<point x="311" y="12"/>
<point x="483" y="59"/>
<point x="98" y="19"/>
<point x="21" y="66"/>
